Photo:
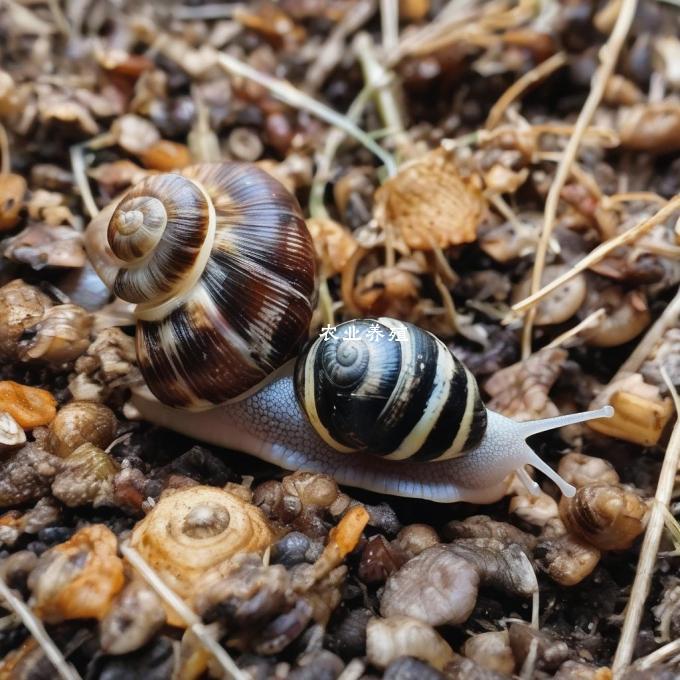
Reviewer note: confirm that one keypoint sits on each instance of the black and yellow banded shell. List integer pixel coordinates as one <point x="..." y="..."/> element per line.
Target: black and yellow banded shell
<point x="391" y="389"/>
<point x="222" y="267"/>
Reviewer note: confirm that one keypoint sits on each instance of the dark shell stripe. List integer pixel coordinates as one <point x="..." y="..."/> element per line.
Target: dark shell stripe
<point x="252" y="305"/>
<point x="415" y="401"/>
<point x="159" y="275"/>
<point x="260" y="306"/>
<point x="407" y="403"/>
<point x="207" y="359"/>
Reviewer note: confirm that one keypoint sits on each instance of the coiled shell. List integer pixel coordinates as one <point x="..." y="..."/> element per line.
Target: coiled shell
<point x="221" y="266"/>
<point x="193" y="532"/>
<point x="391" y="389"/>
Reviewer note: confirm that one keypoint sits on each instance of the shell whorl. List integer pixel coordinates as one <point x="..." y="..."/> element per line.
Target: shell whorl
<point x="221" y="266"/>
<point x="163" y="231"/>
<point x="394" y="390"/>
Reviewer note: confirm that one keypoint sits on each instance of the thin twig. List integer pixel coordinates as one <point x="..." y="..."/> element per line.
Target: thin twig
<point x="189" y="617"/>
<point x="517" y="89"/>
<point x="80" y="176"/>
<point x="609" y="55"/>
<point x="37" y="630"/>
<point x="333" y="49"/>
<point x="650" y="544"/>
<point x="383" y="85"/>
<point x="389" y="24"/>
<point x="5" y="158"/>
<point x="657" y="656"/>
<point x="667" y="320"/>
<point x="589" y="323"/>
<point x="289" y="94"/>
<point x="600" y="253"/>
<point x="324" y="161"/>
<point x="59" y="18"/>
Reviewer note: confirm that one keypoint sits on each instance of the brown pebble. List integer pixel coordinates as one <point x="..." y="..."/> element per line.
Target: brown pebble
<point x="379" y="559"/>
<point x="166" y="156"/>
<point x="415" y="538"/>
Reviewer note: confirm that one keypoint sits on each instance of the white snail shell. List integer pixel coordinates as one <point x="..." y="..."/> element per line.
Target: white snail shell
<point x="221" y="267"/>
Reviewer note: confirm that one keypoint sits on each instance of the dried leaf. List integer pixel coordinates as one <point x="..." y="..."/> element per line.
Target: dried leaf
<point x="428" y="204"/>
<point x="40" y="245"/>
<point x="521" y="391"/>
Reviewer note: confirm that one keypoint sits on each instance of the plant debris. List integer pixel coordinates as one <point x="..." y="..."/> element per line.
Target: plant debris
<point x="502" y="174"/>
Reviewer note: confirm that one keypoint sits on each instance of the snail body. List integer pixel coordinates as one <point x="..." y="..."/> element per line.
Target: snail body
<point x="272" y="425"/>
<point x="381" y="404"/>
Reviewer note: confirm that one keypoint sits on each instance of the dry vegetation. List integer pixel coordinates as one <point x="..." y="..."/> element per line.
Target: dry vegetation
<point x="504" y="174"/>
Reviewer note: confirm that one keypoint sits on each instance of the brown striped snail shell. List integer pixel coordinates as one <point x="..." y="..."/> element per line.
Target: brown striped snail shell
<point x="390" y="388"/>
<point x="220" y="264"/>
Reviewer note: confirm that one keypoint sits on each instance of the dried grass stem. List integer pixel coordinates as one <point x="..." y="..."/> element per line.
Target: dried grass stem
<point x="598" y="254"/>
<point x="609" y="55"/>
<point x="650" y="546"/>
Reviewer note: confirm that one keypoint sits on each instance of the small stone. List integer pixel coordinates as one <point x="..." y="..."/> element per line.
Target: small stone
<point x="135" y="617"/>
<point x="26" y="475"/>
<point x="395" y="636"/>
<point x="491" y="651"/>
<point x="410" y="668"/>
<point x="415" y="538"/>
<point x="291" y="549"/>
<point x="319" y="665"/>
<point x="437" y="587"/>
<point x="550" y="654"/>
<point x="379" y="559"/>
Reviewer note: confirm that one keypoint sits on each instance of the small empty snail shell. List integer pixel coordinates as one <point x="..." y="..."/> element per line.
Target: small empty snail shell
<point x="195" y="530"/>
<point x="221" y="267"/>
<point x="608" y="516"/>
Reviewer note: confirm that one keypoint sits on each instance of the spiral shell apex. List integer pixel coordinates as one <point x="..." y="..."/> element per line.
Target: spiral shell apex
<point x="391" y="389"/>
<point x="221" y="266"/>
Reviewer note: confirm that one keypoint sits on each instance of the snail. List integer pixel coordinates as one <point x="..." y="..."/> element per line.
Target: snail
<point x="382" y="405"/>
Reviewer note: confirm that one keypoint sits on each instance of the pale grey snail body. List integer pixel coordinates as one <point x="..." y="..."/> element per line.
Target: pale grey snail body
<point x="391" y="411"/>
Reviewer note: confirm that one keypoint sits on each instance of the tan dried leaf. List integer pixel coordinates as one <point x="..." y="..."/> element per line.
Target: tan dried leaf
<point x="566" y="558"/>
<point x="387" y="291"/>
<point x="428" y="204"/>
<point x="640" y="413"/>
<point x="57" y="107"/>
<point x="12" y="190"/>
<point x="40" y="245"/>
<point x="118" y="175"/>
<point x="334" y="245"/>
<point x="78" y="579"/>
<point x="521" y="391"/>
